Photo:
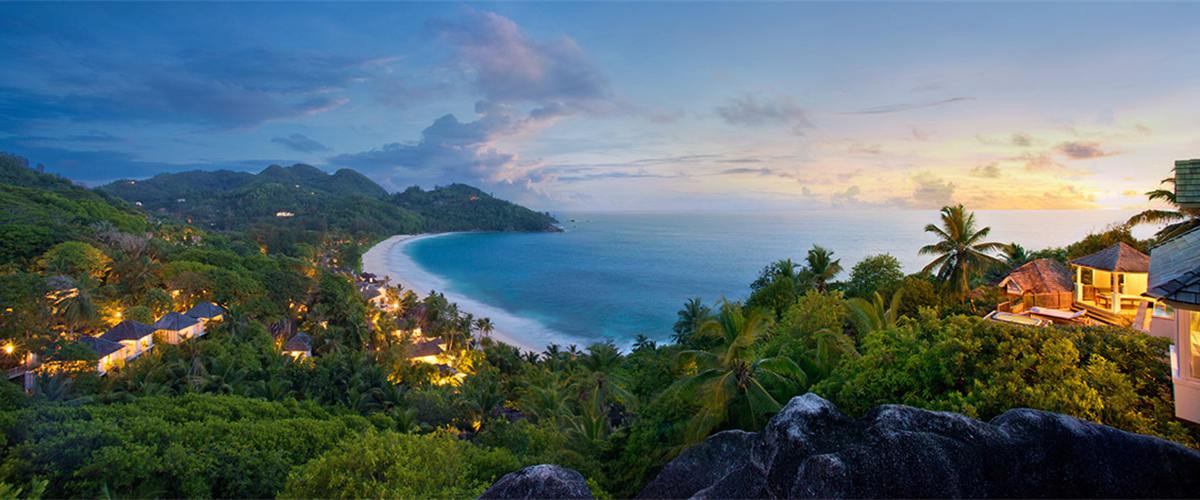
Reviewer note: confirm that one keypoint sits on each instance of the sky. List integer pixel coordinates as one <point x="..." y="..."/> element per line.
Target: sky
<point x="622" y="106"/>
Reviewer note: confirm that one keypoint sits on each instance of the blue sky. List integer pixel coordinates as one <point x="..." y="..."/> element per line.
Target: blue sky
<point x="620" y="106"/>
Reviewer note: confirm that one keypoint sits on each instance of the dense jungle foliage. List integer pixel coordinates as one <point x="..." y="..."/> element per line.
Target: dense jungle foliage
<point x="228" y="415"/>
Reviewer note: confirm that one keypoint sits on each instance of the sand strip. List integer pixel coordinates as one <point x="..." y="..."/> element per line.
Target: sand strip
<point x="387" y="259"/>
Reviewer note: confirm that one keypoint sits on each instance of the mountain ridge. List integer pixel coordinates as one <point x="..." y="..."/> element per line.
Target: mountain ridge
<point x="307" y="196"/>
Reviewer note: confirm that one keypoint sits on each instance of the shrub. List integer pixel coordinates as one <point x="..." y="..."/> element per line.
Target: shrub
<point x="1114" y="376"/>
<point x="878" y="273"/>
<point x="394" y="465"/>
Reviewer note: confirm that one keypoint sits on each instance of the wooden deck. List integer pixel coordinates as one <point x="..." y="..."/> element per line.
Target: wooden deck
<point x="1103" y="316"/>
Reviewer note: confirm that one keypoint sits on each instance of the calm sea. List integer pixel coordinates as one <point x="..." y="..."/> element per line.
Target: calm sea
<point x="616" y="275"/>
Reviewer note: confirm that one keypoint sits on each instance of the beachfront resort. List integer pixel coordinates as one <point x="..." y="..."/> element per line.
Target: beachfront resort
<point x="1158" y="294"/>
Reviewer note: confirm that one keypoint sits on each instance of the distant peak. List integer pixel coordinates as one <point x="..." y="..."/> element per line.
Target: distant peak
<point x="307" y="170"/>
<point x="273" y="170"/>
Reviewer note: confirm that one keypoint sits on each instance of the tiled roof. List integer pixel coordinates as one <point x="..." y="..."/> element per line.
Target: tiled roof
<point x="205" y="310"/>
<point x="299" y="342"/>
<point x="175" y="321"/>
<point x="1121" y="258"/>
<point x="1041" y="276"/>
<point x="128" y="330"/>
<point x="1187" y="182"/>
<point x="102" y="347"/>
<point x="1175" y="269"/>
<point x="428" y="348"/>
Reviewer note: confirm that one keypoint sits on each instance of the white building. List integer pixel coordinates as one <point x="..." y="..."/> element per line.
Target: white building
<point x="1175" y="282"/>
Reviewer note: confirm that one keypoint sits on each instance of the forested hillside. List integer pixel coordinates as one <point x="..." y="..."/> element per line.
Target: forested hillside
<point x="459" y="207"/>
<point x="41" y="210"/>
<point x="302" y="197"/>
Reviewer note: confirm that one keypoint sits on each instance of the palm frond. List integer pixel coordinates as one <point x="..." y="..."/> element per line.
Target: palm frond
<point x="1156" y="217"/>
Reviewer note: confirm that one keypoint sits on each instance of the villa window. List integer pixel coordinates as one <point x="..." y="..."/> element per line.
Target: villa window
<point x="1194" y="342"/>
<point x="1087" y="276"/>
<point x="1163" y="311"/>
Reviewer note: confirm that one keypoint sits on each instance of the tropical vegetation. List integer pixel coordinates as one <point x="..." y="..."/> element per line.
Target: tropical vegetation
<point x="1175" y="219"/>
<point x="228" y="415"/>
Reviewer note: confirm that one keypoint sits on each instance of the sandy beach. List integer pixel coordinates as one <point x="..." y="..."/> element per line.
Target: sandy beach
<point x="387" y="259"/>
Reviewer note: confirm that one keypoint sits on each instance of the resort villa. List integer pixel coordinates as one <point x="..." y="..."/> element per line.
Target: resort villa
<point x="1110" y="284"/>
<point x="108" y="352"/>
<point x="429" y="351"/>
<point x="1106" y="287"/>
<point x="1038" y="283"/>
<point x="206" y="312"/>
<point x="134" y="337"/>
<point x="377" y="296"/>
<point x="1175" y="282"/>
<point x="177" y="328"/>
<point x="299" y="346"/>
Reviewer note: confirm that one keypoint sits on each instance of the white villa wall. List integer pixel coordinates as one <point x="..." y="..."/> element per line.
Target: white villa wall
<point x="1185" y="365"/>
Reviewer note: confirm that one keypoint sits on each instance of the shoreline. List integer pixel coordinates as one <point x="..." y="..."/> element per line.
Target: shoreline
<point x="387" y="259"/>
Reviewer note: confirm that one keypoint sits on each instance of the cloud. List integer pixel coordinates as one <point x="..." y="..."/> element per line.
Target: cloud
<point x="1083" y="150"/>
<point x="749" y="110"/>
<point x="764" y="171"/>
<point x="641" y="174"/>
<point x="511" y="72"/>
<point x="1022" y="139"/>
<point x="869" y="149"/>
<point x="931" y="192"/>
<point x="849" y="197"/>
<point x="506" y="65"/>
<point x="300" y="143"/>
<point x="897" y="108"/>
<point x="449" y="150"/>
<point x="213" y="88"/>
<point x="989" y="171"/>
<point x="1044" y="162"/>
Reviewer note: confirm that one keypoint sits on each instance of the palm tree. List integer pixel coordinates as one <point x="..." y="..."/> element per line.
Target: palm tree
<point x="601" y="374"/>
<point x="732" y="383"/>
<point x="870" y="316"/>
<point x="822" y="267"/>
<point x="480" y="395"/>
<point x="693" y="314"/>
<point x="77" y="309"/>
<point x="829" y="349"/>
<point x="1015" y="256"/>
<point x="53" y="386"/>
<point x="485" y="326"/>
<point x="547" y="398"/>
<point x="553" y="356"/>
<point x="1178" y="221"/>
<point x="961" y="251"/>
<point x="643" y="342"/>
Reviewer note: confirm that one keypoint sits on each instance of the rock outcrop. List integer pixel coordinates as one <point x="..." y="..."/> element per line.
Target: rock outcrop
<point x="540" y="481"/>
<point x="701" y="465"/>
<point x="810" y="449"/>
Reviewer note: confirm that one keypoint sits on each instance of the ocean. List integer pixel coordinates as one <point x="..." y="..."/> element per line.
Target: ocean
<point x="612" y="276"/>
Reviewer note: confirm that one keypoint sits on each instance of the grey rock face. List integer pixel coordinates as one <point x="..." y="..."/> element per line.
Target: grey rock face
<point x="811" y="450"/>
<point x="701" y="465"/>
<point x="540" y="481"/>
